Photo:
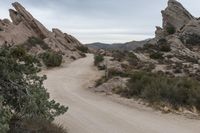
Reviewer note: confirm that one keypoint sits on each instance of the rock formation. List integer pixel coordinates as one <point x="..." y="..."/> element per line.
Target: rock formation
<point x="180" y="32"/>
<point x="24" y="26"/>
<point x="175" y="15"/>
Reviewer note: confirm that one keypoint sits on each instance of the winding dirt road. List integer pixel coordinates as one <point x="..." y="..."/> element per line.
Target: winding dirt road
<point x="92" y="113"/>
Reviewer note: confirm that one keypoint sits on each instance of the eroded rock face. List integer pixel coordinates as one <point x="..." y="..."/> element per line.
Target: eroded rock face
<point x="24" y="26"/>
<point x="175" y="15"/>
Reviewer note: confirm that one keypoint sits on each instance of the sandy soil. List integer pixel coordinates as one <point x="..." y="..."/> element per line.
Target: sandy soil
<point x="93" y="113"/>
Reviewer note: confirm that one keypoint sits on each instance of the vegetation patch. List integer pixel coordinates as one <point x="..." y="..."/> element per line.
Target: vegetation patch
<point x="171" y="30"/>
<point x="36" y="125"/>
<point x="83" y="49"/>
<point x="163" y="45"/>
<point x="192" y="39"/>
<point x="33" y="42"/>
<point x="157" y="88"/>
<point x="22" y="92"/>
<point x="51" y="59"/>
<point x="156" y="55"/>
<point x="98" y="59"/>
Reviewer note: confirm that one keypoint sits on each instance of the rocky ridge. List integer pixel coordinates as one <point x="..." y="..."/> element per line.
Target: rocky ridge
<point x="25" y="26"/>
<point x="176" y="42"/>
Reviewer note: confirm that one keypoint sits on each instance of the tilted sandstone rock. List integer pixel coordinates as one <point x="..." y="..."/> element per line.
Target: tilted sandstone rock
<point x="175" y="15"/>
<point x="24" y="26"/>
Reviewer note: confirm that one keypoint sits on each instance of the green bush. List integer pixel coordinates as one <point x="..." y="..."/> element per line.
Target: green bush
<point x="113" y="73"/>
<point x="163" y="45"/>
<point x="52" y="59"/>
<point x="156" y="55"/>
<point x="192" y="39"/>
<point x="119" y="55"/>
<point x="36" y="125"/>
<point x="171" y="30"/>
<point x="5" y="116"/>
<point x="33" y="42"/>
<point x="157" y="88"/>
<point x="132" y="59"/>
<point x="98" y="59"/>
<point x="83" y="49"/>
<point x="21" y="90"/>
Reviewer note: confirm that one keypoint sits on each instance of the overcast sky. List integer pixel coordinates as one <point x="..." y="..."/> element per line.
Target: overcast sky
<point x="107" y="21"/>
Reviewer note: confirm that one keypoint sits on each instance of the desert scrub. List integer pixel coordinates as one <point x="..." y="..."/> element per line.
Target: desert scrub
<point x="157" y="88"/>
<point x="170" y="30"/>
<point x="192" y="39"/>
<point x="34" y="42"/>
<point x="51" y="59"/>
<point x="36" y="125"/>
<point x="22" y="92"/>
<point x="163" y="45"/>
<point x="83" y="49"/>
<point x="98" y="59"/>
<point x="156" y="55"/>
<point x="100" y="81"/>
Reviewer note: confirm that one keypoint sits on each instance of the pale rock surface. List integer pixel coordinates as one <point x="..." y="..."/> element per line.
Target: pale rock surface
<point x="112" y="84"/>
<point x="176" y="15"/>
<point x="24" y="26"/>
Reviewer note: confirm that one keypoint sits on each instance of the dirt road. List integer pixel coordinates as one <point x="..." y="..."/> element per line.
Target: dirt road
<point x="92" y="113"/>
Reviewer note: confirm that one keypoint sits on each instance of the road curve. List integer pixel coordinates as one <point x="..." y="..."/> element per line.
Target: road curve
<point x="92" y="113"/>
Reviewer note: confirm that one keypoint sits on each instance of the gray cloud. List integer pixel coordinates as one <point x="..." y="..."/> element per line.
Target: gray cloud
<point x="100" y="20"/>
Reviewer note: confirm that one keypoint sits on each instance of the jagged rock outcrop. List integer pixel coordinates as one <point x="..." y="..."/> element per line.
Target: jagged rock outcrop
<point x="177" y="43"/>
<point x="24" y="26"/>
<point x="175" y="15"/>
<point x="186" y="26"/>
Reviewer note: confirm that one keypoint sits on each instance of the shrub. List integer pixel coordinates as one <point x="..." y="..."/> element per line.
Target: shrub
<point x="18" y="51"/>
<point x="163" y="45"/>
<point x="98" y="59"/>
<point x="119" y="55"/>
<point x="5" y="116"/>
<point x="132" y="59"/>
<point x="1" y="29"/>
<point x="83" y="49"/>
<point x="156" y="55"/>
<point x="149" y="46"/>
<point x="101" y="81"/>
<point x="157" y="88"/>
<point x="113" y="73"/>
<point x="52" y="59"/>
<point x="36" y="125"/>
<point x="33" y="42"/>
<point x="21" y="90"/>
<point x="192" y="39"/>
<point x="171" y="30"/>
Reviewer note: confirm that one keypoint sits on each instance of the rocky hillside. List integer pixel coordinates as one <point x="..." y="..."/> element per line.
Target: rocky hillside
<point x="25" y="29"/>
<point x="177" y="43"/>
<point x="165" y="72"/>
<point x="175" y="49"/>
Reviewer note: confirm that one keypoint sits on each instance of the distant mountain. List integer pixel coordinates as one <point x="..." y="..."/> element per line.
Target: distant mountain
<point x="119" y="46"/>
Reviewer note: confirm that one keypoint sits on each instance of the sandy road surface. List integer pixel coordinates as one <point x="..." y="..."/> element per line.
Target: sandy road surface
<point x="92" y="113"/>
